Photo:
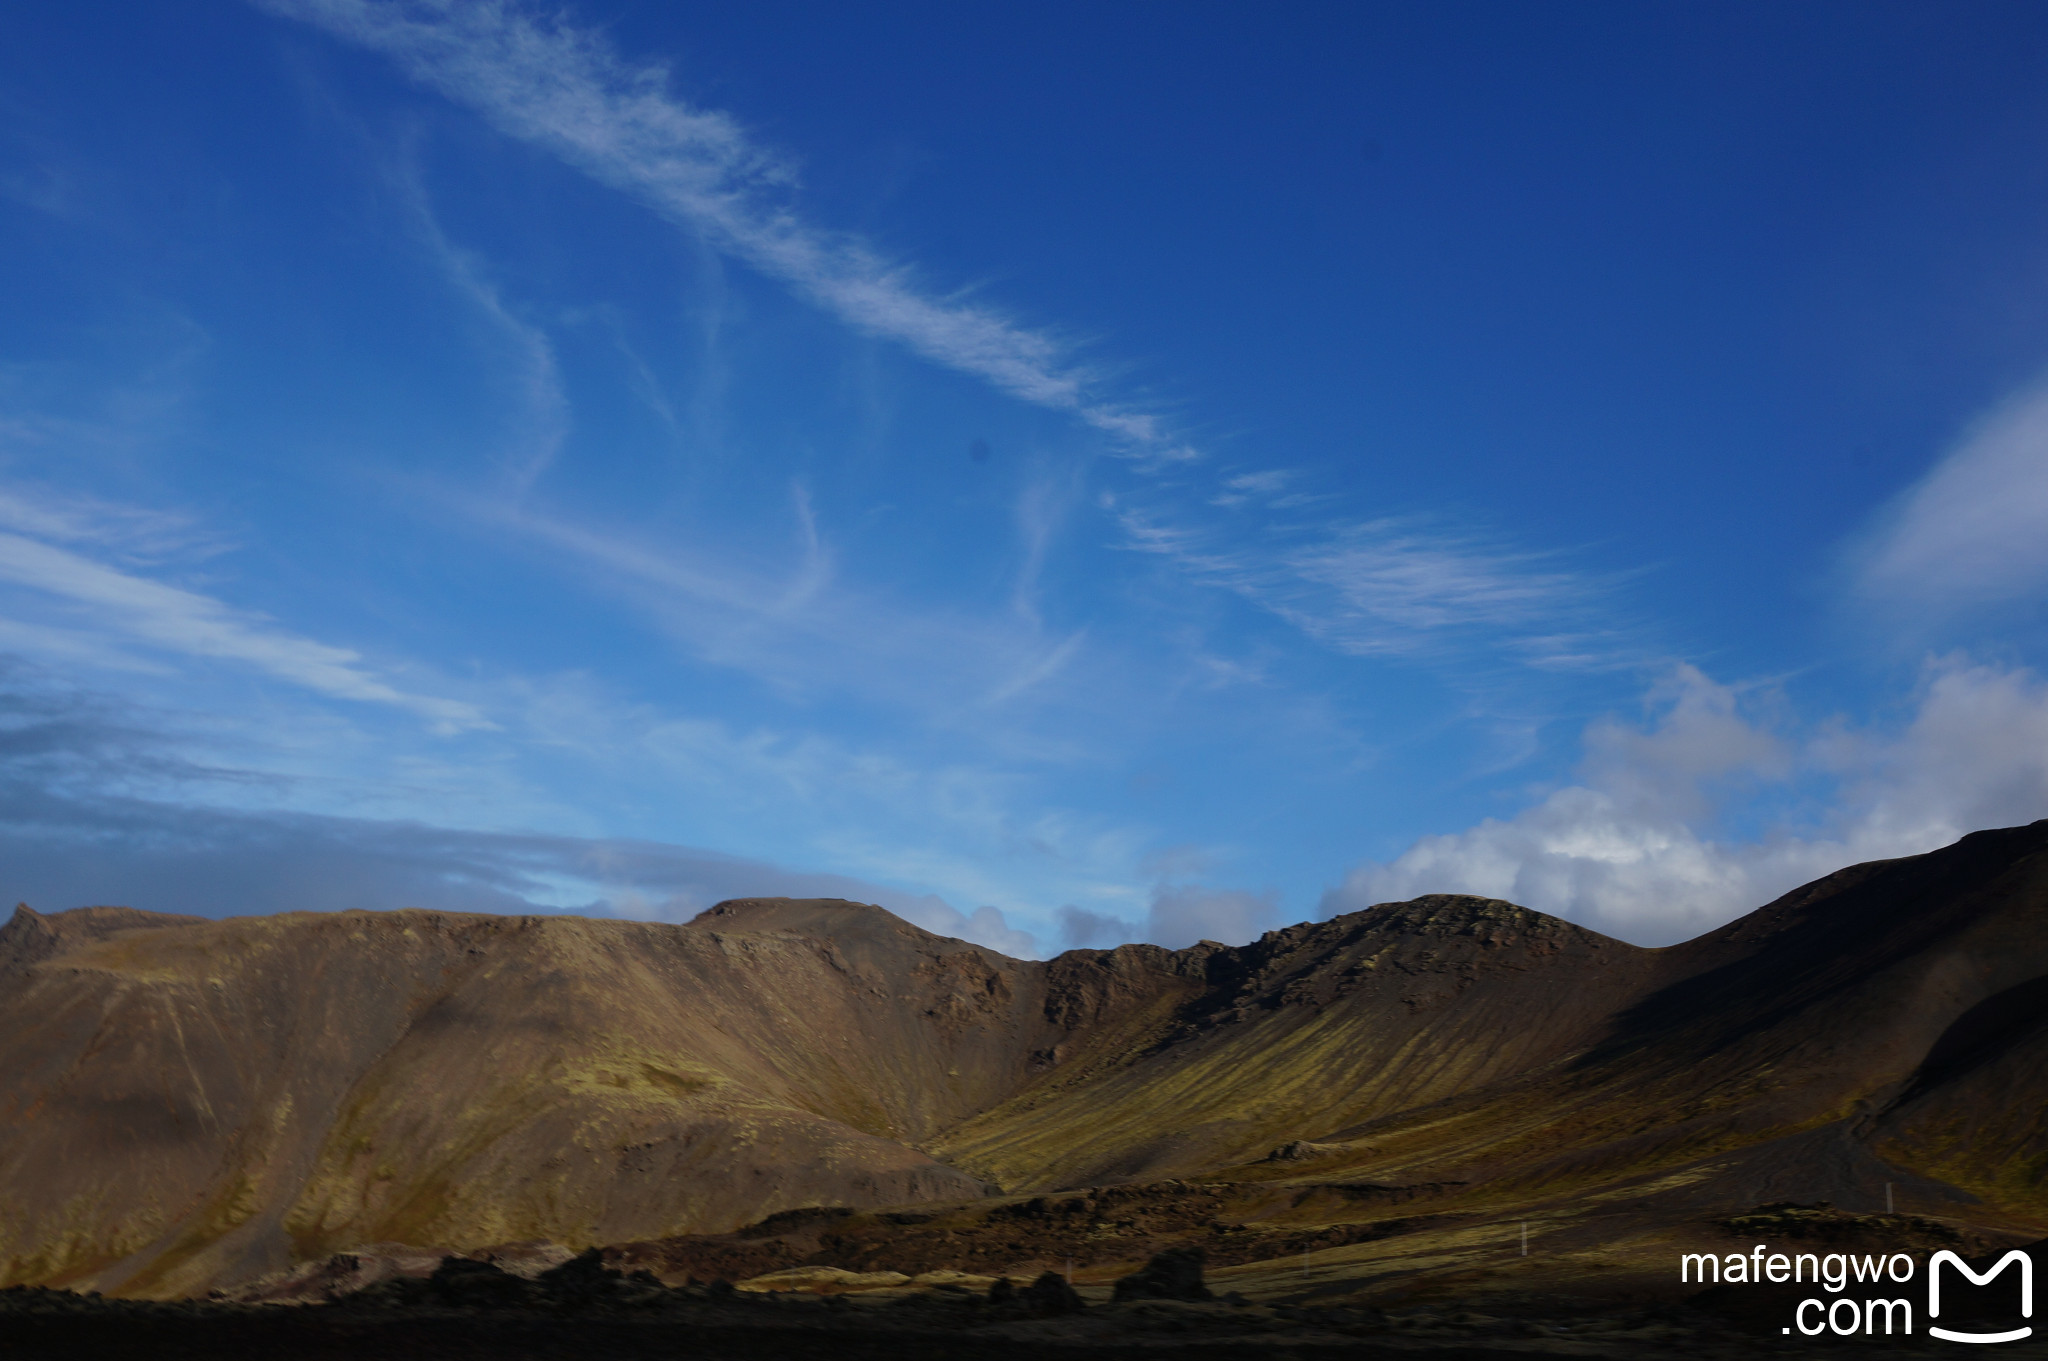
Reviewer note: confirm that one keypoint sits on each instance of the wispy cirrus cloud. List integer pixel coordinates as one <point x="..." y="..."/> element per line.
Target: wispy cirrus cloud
<point x="539" y="79"/>
<point x="1974" y="531"/>
<point x="133" y="533"/>
<point x="535" y="371"/>
<point x="786" y="617"/>
<point x="67" y="852"/>
<point x="1244" y="488"/>
<point x="1395" y="587"/>
<point x="974" y="831"/>
<point x="1374" y="589"/>
<point x="123" y="608"/>
<point x="101" y="802"/>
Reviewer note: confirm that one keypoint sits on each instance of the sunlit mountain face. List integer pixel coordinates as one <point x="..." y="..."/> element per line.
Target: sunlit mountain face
<point x="1067" y="477"/>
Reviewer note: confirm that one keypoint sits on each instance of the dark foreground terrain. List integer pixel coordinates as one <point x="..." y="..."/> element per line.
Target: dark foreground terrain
<point x="582" y="1309"/>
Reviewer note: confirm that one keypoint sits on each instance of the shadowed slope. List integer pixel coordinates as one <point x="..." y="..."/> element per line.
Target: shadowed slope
<point x="1976" y="1111"/>
<point x="1811" y="1014"/>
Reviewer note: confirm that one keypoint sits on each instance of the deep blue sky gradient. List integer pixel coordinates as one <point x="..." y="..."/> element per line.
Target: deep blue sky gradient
<point x="1595" y="350"/>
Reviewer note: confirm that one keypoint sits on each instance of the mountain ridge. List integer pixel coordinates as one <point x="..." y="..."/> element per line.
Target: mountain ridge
<point x="189" y="1102"/>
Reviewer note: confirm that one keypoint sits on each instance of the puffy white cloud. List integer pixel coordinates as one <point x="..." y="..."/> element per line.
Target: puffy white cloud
<point x="1632" y="850"/>
<point x="983" y="926"/>
<point x="1975" y="755"/>
<point x="1182" y="914"/>
<point x="1179" y="915"/>
<point x="1084" y="930"/>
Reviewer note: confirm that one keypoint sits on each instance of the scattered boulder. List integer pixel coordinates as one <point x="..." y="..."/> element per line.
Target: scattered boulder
<point x="1175" y="1274"/>
<point x="582" y="1279"/>
<point x="1051" y="1297"/>
<point x="465" y="1281"/>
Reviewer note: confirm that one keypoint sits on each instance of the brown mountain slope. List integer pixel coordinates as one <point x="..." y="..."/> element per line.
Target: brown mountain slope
<point x="186" y="1102"/>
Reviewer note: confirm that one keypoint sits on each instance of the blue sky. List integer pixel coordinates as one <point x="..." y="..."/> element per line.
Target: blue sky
<point x="1070" y="474"/>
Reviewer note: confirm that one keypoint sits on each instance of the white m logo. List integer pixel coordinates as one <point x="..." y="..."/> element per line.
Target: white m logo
<point x="2026" y="1293"/>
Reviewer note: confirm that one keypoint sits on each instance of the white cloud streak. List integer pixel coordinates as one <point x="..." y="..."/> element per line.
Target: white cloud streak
<point x="186" y="622"/>
<point x="65" y="853"/>
<point x="1631" y="850"/>
<point x="135" y="534"/>
<point x="536" y="372"/>
<point x="971" y="832"/>
<point x="1375" y="589"/>
<point x="1974" y="531"/>
<point x="787" y="618"/>
<point x="544" y="82"/>
<point x="101" y="802"/>
<point x="1398" y="587"/>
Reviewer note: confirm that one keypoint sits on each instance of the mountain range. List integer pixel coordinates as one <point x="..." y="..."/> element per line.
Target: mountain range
<point x="189" y="1104"/>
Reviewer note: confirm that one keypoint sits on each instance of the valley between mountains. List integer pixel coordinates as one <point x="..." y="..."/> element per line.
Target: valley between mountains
<point x="1372" y="1106"/>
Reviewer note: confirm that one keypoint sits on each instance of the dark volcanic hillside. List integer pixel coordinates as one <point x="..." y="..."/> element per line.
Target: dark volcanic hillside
<point x="1306" y="1033"/>
<point x="186" y="1103"/>
<point x="1894" y="1003"/>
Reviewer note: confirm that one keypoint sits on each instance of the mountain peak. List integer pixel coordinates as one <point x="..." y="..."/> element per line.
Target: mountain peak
<point x="1494" y="920"/>
<point x="835" y="919"/>
<point x="802" y="915"/>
